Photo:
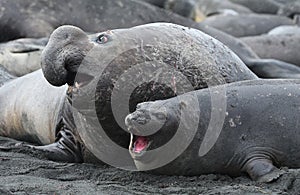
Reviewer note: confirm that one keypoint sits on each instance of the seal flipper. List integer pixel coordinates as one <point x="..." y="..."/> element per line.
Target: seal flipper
<point x="64" y="149"/>
<point x="262" y="170"/>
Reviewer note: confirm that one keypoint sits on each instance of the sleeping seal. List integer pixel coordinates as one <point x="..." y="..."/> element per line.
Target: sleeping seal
<point x="246" y="25"/>
<point x="283" y="47"/>
<point x="249" y="126"/>
<point x="22" y="56"/>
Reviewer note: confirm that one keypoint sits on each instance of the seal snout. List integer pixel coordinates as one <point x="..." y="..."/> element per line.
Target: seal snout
<point x="64" y="53"/>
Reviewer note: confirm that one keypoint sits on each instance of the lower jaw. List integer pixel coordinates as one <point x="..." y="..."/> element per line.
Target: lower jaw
<point x="136" y="155"/>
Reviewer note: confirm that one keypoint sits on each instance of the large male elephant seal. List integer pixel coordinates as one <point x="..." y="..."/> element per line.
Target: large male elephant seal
<point x="162" y="52"/>
<point x="248" y="126"/>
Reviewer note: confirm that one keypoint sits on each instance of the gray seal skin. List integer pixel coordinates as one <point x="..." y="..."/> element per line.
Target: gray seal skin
<point x="201" y="59"/>
<point x="281" y="47"/>
<point x="264" y="68"/>
<point x="246" y="25"/>
<point x="258" y="6"/>
<point x="33" y="110"/>
<point x="5" y="76"/>
<point x="259" y="134"/>
<point x="44" y="16"/>
<point x="210" y="7"/>
<point x="41" y="17"/>
<point x="285" y="30"/>
<point x="22" y="56"/>
<point x="290" y="9"/>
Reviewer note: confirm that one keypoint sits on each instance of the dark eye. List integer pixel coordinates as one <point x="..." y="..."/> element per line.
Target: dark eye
<point x="101" y="39"/>
<point x="160" y="116"/>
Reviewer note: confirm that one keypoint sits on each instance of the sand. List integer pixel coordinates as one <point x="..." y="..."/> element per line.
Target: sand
<point x="23" y="171"/>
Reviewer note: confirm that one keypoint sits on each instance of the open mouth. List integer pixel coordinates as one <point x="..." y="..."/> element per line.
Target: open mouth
<point x="139" y="144"/>
<point x="78" y="80"/>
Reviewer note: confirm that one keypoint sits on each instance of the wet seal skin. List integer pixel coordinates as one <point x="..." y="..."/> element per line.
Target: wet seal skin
<point x="259" y="134"/>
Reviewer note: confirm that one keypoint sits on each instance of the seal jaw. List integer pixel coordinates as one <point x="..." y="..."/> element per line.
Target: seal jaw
<point x="138" y="145"/>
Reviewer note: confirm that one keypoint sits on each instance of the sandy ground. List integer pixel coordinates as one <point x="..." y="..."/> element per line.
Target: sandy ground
<point x="23" y="171"/>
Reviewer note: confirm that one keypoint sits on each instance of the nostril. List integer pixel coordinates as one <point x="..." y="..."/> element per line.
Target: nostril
<point x="128" y="120"/>
<point x="141" y="120"/>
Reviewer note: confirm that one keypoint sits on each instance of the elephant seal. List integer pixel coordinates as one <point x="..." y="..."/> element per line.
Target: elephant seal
<point x="257" y="6"/>
<point x="264" y="68"/>
<point x="5" y="75"/>
<point x="285" y="30"/>
<point x="22" y="56"/>
<point x="246" y="25"/>
<point x="281" y="47"/>
<point x="230" y="137"/>
<point x="41" y="17"/>
<point x="157" y="50"/>
<point x="210" y="7"/>
<point x="290" y="9"/>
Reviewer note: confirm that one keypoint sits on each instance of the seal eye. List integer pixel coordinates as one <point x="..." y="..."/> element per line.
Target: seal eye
<point x="101" y="39"/>
<point x="160" y="116"/>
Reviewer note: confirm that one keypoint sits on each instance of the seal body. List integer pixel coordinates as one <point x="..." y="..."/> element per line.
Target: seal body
<point x="153" y="61"/>
<point x="22" y="56"/>
<point x="249" y="126"/>
<point x="267" y="6"/>
<point x="37" y="112"/>
<point x="281" y="47"/>
<point x="285" y="30"/>
<point x="40" y="18"/>
<point x="31" y="108"/>
<point x="246" y="25"/>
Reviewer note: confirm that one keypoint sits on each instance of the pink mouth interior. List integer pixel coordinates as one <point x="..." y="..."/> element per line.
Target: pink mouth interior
<point x="140" y="144"/>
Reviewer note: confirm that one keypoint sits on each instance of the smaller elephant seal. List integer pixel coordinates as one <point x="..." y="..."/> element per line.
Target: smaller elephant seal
<point x="22" y="56"/>
<point x="248" y="126"/>
<point x="285" y="30"/>
<point x="258" y="6"/>
<point x="263" y="68"/>
<point x="211" y="7"/>
<point x="290" y="9"/>
<point x="283" y="47"/>
<point x="246" y="25"/>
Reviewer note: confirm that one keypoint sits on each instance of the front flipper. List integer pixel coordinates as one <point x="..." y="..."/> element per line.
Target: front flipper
<point x="262" y="170"/>
<point x="65" y="148"/>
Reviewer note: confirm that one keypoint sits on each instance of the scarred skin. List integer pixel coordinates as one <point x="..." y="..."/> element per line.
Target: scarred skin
<point x="260" y="130"/>
<point x="49" y="118"/>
